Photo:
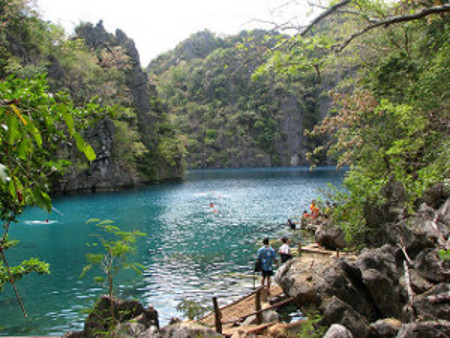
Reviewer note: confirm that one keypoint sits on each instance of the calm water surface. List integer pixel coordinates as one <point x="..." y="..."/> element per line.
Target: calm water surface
<point x="190" y="251"/>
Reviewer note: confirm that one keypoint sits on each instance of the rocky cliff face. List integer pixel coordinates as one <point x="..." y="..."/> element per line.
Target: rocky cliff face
<point x="398" y="289"/>
<point x="102" y="174"/>
<point x="108" y="172"/>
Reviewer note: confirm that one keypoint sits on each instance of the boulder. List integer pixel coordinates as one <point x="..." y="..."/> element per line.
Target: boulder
<point x="385" y="259"/>
<point x="267" y="317"/>
<point x="430" y="329"/>
<point x="336" y="311"/>
<point x="418" y="283"/>
<point x="436" y="195"/>
<point x="136" y="330"/>
<point x="188" y="330"/>
<point x="337" y="282"/>
<point x="383" y="293"/>
<point x="312" y="281"/>
<point x="385" y="328"/>
<point x="330" y="237"/>
<point x="431" y="267"/>
<point x="124" y="310"/>
<point x="429" y="306"/>
<point x="338" y="331"/>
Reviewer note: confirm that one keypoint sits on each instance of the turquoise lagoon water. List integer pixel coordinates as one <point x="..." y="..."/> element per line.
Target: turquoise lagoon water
<point x="191" y="250"/>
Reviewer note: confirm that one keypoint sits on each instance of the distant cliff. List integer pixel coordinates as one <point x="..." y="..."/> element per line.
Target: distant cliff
<point x="233" y="117"/>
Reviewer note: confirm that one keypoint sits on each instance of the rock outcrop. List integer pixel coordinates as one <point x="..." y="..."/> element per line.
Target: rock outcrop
<point x="373" y="288"/>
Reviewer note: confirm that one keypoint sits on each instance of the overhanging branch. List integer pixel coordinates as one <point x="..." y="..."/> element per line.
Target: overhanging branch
<point x="322" y="16"/>
<point x="393" y="20"/>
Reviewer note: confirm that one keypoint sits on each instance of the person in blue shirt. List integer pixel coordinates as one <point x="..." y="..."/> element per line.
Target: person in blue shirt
<point x="267" y="256"/>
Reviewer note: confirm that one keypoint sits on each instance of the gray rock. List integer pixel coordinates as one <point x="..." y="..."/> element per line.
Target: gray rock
<point x="426" y="306"/>
<point x="431" y="329"/>
<point x="385" y="328"/>
<point x="431" y="267"/>
<point x="418" y="283"/>
<point x="383" y="293"/>
<point x="330" y="237"/>
<point x="336" y="311"/>
<point x="185" y="330"/>
<point x="124" y="310"/>
<point x="338" y="331"/>
<point x="312" y="283"/>
<point x="382" y="259"/>
<point x="135" y="330"/>
<point x="267" y="317"/>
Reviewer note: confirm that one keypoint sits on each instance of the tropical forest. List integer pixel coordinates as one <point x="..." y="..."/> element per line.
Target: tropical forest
<point x="330" y="137"/>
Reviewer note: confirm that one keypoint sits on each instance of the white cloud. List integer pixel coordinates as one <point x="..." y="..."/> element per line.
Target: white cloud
<point x="158" y="26"/>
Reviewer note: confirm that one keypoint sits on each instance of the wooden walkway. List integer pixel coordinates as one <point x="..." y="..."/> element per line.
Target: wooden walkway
<point x="232" y="315"/>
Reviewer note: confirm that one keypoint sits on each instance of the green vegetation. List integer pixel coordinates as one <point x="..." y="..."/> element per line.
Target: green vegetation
<point x="116" y="247"/>
<point x="390" y="122"/>
<point x="192" y="309"/>
<point x="229" y="117"/>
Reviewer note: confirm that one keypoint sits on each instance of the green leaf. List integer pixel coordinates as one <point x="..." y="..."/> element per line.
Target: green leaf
<point x="86" y="270"/>
<point x="69" y="122"/>
<point x="42" y="199"/>
<point x="13" y="129"/>
<point x="89" y="152"/>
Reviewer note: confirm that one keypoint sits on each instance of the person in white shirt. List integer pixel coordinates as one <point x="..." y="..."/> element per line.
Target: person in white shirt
<point x="285" y="250"/>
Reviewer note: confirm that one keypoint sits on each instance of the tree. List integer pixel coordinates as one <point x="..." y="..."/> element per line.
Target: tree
<point x="116" y="247"/>
<point x="33" y="123"/>
<point x="392" y="123"/>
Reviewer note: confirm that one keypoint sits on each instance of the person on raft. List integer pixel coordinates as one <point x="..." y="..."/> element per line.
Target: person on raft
<point x="267" y="256"/>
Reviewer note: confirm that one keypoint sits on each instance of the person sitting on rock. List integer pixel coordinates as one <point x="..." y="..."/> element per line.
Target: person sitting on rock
<point x="314" y="209"/>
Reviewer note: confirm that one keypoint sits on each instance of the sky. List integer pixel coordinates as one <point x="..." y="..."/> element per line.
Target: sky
<point x="157" y="26"/>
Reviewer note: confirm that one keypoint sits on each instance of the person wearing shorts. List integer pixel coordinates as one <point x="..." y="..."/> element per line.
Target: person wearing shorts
<point x="267" y="256"/>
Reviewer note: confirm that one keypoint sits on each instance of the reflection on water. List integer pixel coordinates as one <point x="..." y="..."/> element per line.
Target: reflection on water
<point x="202" y="235"/>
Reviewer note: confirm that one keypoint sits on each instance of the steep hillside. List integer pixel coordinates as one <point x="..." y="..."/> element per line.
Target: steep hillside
<point x="230" y="117"/>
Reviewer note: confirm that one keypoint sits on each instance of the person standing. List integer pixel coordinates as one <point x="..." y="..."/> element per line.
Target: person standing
<point x="285" y="250"/>
<point x="267" y="256"/>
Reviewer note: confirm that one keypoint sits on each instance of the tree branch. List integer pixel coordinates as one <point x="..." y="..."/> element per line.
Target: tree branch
<point x="322" y="16"/>
<point x="393" y="20"/>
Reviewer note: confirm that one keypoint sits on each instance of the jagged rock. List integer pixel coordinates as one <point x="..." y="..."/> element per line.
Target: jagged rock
<point x="431" y="329"/>
<point x="338" y="331"/>
<point x="186" y="330"/>
<point x="286" y="330"/>
<point x="385" y="296"/>
<point x="337" y="282"/>
<point x="330" y="237"/>
<point x="382" y="259"/>
<point x="426" y="306"/>
<point x="311" y="283"/>
<point x="385" y="328"/>
<point x="124" y="310"/>
<point x="436" y="195"/>
<point x="418" y="283"/>
<point x="431" y="267"/>
<point x="136" y="330"/>
<point x="336" y="311"/>
<point x="267" y="317"/>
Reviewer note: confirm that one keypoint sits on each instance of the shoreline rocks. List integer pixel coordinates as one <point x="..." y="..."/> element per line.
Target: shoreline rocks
<point x="373" y="288"/>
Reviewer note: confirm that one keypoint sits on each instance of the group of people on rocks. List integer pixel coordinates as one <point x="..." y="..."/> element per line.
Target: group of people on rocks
<point x="314" y="214"/>
<point x="267" y="255"/>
